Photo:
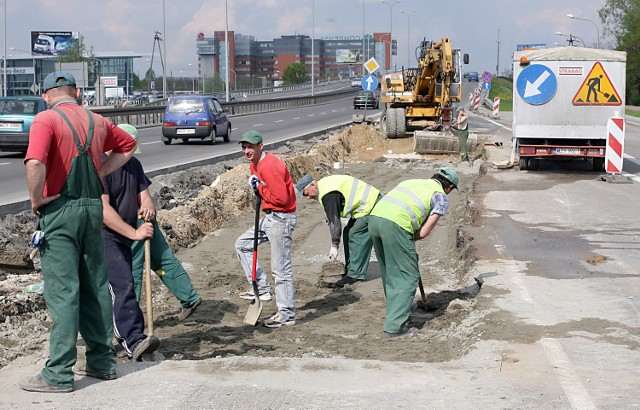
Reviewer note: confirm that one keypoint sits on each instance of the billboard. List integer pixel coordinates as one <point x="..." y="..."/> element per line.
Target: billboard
<point x="52" y="43"/>
<point x="521" y="47"/>
<point x="348" y="56"/>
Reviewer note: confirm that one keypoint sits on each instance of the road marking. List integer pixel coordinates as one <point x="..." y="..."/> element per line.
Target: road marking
<point x="279" y="120"/>
<point x="5" y="163"/>
<point x="256" y="125"/>
<point x="497" y="123"/>
<point x="150" y="143"/>
<point x="310" y="115"/>
<point x="296" y="118"/>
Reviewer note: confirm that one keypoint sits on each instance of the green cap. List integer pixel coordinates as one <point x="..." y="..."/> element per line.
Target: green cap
<point x="460" y="108"/>
<point x="57" y="79"/>
<point x="133" y="131"/>
<point x="450" y="174"/>
<point x="252" y="137"/>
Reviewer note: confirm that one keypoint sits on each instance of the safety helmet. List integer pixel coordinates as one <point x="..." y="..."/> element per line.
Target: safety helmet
<point x="450" y="174"/>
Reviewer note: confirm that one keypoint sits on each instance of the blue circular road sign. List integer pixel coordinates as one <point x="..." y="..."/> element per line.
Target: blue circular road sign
<point x="537" y="84"/>
<point x="369" y="82"/>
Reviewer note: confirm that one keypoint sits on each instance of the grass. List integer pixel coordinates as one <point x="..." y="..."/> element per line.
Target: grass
<point x="632" y="113"/>
<point x="503" y="88"/>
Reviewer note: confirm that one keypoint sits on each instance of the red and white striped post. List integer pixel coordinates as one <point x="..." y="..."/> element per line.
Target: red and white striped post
<point x="245" y="96"/>
<point x="470" y="99"/>
<point x="476" y="101"/>
<point x="615" y="145"/>
<point x="496" y="108"/>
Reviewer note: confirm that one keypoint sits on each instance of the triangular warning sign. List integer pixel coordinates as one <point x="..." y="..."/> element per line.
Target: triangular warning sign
<point x="597" y="89"/>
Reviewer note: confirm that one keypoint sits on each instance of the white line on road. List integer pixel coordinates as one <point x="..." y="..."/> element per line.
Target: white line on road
<point x="5" y="163"/>
<point x="310" y="115"/>
<point x="279" y="120"/>
<point x="296" y="118"/>
<point x="150" y="143"/>
<point x="257" y="125"/>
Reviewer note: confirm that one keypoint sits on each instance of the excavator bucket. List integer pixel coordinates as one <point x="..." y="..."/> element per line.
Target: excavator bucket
<point x="440" y="142"/>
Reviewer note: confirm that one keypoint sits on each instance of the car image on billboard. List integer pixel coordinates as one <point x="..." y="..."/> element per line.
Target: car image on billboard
<point x="52" y="42"/>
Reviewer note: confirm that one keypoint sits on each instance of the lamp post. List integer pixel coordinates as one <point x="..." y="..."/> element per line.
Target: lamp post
<point x="226" y="49"/>
<point x="408" y="14"/>
<point x="313" y="40"/>
<point x="4" y="54"/>
<point x="387" y="64"/>
<point x="571" y="16"/>
<point x="390" y="5"/>
<point x="164" y="46"/>
<point x="571" y="39"/>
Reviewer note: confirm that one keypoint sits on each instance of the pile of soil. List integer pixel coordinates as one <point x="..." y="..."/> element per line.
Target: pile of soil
<point x="203" y="210"/>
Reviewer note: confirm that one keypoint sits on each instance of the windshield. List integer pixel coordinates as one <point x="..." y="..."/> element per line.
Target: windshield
<point x="17" y="107"/>
<point x="186" y="106"/>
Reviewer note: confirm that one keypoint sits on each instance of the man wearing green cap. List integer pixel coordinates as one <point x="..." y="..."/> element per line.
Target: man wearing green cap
<point x="408" y="213"/>
<point x="64" y="167"/>
<point x="271" y="180"/>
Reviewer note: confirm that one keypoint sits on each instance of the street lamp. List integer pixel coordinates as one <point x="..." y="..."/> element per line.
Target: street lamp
<point x="390" y="5"/>
<point x="408" y="14"/>
<point x="33" y="64"/>
<point x="235" y="79"/>
<point x="387" y="63"/>
<point x="4" y="54"/>
<point x="571" y="16"/>
<point x="226" y="49"/>
<point x="571" y="39"/>
<point x="313" y="40"/>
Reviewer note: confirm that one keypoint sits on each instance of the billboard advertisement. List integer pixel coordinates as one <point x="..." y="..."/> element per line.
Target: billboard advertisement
<point x="52" y="43"/>
<point x="348" y="56"/>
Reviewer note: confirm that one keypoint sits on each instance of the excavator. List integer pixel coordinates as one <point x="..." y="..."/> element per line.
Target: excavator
<point x="419" y="100"/>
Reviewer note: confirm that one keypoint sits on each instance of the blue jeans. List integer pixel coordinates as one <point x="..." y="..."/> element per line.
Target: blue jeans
<point x="277" y="228"/>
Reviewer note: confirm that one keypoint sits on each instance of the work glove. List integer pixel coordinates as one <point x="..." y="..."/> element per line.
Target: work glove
<point x="36" y="240"/>
<point x="333" y="253"/>
<point x="254" y="181"/>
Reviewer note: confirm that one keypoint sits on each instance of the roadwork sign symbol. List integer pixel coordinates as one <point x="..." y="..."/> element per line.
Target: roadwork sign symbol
<point x="597" y="89"/>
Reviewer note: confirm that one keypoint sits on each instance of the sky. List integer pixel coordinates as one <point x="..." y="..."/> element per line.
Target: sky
<point x="473" y="26"/>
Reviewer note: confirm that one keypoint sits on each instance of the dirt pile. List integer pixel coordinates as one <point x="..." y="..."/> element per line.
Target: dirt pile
<point x="203" y="211"/>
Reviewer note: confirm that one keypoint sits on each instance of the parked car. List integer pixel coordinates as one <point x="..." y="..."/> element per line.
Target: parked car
<point x="356" y="82"/>
<point x="365" y="99"/>
<point x="473" y="76"/>
<point x="16" y="116"/>
<point x="195" y="116"/>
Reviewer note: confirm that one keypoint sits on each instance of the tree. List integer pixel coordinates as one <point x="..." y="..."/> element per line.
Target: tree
<point x="76" y="52"/>
<point x="295" y="73"/>
<point x="621" y="19"/>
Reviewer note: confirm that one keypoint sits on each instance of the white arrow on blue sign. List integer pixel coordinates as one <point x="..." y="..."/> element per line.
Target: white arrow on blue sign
<point x="369" y="82"/>
<point x="537" y="84"/>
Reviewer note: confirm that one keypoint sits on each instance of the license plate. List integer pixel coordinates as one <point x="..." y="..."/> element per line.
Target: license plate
<point x="15" y="125"/>
<point x="568" y="151"/>
<point x="186" y="131"/>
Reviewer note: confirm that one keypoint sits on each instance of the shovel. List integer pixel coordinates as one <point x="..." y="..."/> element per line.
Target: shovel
<point x="424" y="298"/>
<point x="147" y="291"/>
<point x="255" y="309"/>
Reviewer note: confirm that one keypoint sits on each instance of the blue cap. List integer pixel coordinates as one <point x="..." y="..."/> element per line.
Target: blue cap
<point x="302" y="183"/>
<point x="58" y="79"/>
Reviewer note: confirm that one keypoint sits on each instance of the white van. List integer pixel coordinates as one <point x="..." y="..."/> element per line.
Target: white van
<point x="44" y="45"/>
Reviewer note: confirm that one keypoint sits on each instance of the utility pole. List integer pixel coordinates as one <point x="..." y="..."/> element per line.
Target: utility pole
<point x="498" y="56"/>
<point x="156" y="40"/>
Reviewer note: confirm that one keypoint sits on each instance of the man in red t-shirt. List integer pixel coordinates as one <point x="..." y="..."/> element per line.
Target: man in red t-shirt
<point x="64" y="169"/>
<point x="270" y="178"/>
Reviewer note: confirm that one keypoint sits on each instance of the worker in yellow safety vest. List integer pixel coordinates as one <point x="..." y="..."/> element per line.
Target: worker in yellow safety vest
<point x="344" y="196"/>
<point x="408" y="213"/>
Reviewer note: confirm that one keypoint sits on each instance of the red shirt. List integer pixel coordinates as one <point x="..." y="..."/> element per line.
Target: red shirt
<point x="51" y="142"/>
<point x="277" y="192"/>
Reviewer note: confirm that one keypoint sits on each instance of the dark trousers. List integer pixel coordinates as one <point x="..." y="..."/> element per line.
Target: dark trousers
<point x="128" y="321"/>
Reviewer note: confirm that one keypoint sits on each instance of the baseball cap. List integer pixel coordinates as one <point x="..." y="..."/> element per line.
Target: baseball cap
<point x="133" y="131"/>
<point x="450" y="174"/>
<point x="51" y="80"/>
<point x="302" y="184"/>
<point x="460" y="108"/>
<point x="252" y="137"/>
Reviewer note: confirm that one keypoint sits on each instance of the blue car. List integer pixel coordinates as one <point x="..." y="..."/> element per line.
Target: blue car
<point x="195" y="117"/>
<point x="473" y="76"/>
<point x="16" y="116"/>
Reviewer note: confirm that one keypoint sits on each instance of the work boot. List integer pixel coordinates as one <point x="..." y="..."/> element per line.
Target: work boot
<point x="147" y="345"/>
<point x="37" y="384"/>
<point x="347" y="280"/>
<point x="87" y="371"/>
<point x="186" y="312"/>
<point x="406" y="331"/>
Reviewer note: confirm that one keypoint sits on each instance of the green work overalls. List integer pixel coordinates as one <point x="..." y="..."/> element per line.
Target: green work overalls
<point x="76" y="284"/>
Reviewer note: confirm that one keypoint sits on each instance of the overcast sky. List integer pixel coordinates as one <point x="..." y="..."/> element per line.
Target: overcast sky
<point x="472" y="25"/>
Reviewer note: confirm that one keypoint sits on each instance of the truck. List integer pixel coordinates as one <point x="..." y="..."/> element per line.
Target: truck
<point x="563" y="98"/>
<point x="422" y="97"/>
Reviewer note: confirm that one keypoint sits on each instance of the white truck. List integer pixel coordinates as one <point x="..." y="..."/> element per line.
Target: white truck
<point x="562" y="100"/>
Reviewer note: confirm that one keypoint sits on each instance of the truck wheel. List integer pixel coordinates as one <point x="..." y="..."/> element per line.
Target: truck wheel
<point x="524" y="164"/>
<point x="401" y="122"/>
<point x="392" y="131"/>
<point x="598" y="164"/>
<point x="534" y="164"/>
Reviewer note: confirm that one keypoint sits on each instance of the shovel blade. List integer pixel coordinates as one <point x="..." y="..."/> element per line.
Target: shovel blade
<point x="254" y="312"/>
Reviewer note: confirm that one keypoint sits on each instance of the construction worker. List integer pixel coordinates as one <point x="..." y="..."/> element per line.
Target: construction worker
<point x="345" y="196"/>
<point x="461" y="126"/>
<point x="64" y="167"/>
<point x="408" y="213"/>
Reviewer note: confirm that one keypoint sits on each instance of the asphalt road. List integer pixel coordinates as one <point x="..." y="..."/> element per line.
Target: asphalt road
<point x="274" y="126"/>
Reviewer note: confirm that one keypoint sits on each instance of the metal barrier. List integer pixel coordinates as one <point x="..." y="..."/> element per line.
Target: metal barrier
<point x="152" y="115"/>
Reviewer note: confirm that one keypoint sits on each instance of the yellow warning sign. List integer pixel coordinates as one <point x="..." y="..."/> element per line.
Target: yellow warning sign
<point x="597" y="89"/>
